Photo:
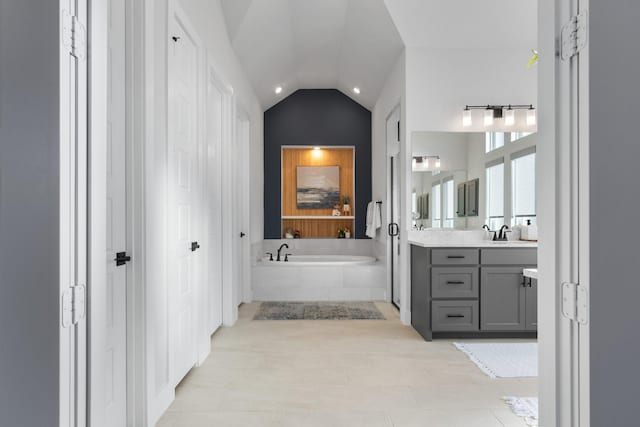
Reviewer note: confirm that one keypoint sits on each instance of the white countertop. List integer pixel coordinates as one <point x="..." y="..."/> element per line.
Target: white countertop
<point x="477" y="244"/>
<point x="462" y="239"/>
<point x="530" y="272"/>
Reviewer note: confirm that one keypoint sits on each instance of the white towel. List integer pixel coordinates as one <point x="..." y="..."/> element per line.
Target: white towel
<point x="374" y="219"/>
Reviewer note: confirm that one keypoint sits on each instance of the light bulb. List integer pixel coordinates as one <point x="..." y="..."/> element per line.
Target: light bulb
<point x="531" y="117"/>
<point x="438" y="162"/>
<point x="488" y="117"/>
<point x="356" y="90"/>
<point x="510" y="117"/>
<point x="278" y="90"/>
<point x="466" y="118"/>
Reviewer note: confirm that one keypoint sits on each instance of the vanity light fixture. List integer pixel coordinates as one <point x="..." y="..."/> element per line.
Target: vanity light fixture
<point x="278" y="90"/>
<point x="493" y="112"/>
<point x="421" y="163"/>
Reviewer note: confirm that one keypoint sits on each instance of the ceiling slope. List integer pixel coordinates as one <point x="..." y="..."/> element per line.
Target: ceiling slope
<point x="313" y="44"/>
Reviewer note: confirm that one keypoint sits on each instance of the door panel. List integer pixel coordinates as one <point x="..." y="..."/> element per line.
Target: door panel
<point x="115" y="368"/>
<point x="502" y="299"/>
<point x="183" y="174"/>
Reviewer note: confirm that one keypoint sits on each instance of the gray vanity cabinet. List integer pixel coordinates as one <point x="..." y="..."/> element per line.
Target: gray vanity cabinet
<point x="472" y="197"/>
<point x="473" y="292"/>
<point x="503" y="302"/>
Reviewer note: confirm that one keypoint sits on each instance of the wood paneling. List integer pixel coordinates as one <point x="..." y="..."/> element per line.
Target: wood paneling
<point x="294" y="157"/>
<point x="317" y="228"/>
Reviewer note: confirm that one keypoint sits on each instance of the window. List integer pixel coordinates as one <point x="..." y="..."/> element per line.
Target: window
<point x="519" y="135"/>
<point x="437" y="206"/>
<point x="523" y="187"/>
<point x="449" y="203"/>
<point x="494" y="140"/>
<point x="495" y="194"/>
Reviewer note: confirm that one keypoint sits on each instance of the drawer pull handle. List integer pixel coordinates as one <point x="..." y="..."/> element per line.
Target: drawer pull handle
<point x="455" y="283"/>
<point x="455" y="315"/>
<point x="455" y="256"/>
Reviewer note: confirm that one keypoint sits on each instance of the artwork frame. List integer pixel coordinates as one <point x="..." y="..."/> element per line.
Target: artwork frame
<point x="317" y="187"/>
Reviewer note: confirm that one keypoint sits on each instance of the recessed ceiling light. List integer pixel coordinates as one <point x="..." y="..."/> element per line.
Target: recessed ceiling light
<point x="278" y="90"/>
<point x="356" y="90"/>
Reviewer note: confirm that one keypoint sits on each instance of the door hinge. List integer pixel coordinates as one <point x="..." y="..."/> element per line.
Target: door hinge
<point x="74" y="35"/>
<point x="575" y="303"/>
<point x="74" y="305"/>
<point x="573" y="37"/>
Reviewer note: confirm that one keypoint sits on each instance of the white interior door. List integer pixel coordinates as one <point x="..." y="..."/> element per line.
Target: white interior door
<point x="115" y="357"/>
<point x="183" y="197"/>
<point x="241" y="247"/>
<point x="393" y="149"/>
<point x="214" y="205"/>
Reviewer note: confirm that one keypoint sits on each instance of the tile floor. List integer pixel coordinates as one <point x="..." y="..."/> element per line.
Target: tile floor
<point x="335" y="373"/>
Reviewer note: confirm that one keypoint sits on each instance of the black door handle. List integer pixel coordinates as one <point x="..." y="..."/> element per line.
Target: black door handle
<point x="455" y="316"/>
<point x="194" y="246"/>
<point x="242" y="234"/>
<point x="122" y="258"/>
<point x="394" y="229"/>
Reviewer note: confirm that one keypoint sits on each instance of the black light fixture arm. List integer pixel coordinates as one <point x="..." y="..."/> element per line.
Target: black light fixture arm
<point x="496" y="107"/>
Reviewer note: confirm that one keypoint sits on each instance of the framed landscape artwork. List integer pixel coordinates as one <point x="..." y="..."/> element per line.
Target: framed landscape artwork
<point x="318" y="187"/>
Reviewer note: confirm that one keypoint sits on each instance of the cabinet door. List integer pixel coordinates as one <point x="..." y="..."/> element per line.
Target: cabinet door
<point x="472" y="197"/>
<point x="502" y="299"/>
<point x="462" y="209"/>
<point x="532" y="305"/>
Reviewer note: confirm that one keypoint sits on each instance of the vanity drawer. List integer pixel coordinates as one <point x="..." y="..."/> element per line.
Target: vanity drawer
<point x="452" y="316"/>
<point x="510" y="256"/>
<point x="454" y="282"/>
<point x="454" y="256"/>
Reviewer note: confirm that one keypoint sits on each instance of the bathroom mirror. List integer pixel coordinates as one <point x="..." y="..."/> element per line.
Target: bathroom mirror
<point x="465" y="180"/>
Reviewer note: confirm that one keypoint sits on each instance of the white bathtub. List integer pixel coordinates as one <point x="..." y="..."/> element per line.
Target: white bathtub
<point x="319" y="278"/>
<point x="320" y="260"/>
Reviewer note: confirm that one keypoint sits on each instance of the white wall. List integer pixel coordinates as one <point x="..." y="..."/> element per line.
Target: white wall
<point x="207" y="19"/>
<point x="440" y="82"/>
<point x="451" y="147"/>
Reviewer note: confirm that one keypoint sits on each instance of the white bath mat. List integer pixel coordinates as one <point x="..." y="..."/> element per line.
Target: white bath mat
<point x="503" y="360"/>
<point x="525" y="407"/>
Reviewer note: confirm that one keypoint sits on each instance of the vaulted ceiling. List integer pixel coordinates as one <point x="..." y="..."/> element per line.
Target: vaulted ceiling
<point x="313" y="44"/>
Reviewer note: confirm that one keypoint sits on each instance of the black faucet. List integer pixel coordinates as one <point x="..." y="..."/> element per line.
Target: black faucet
<point x="284" y="245"/>
<point x="502" y="237"/>
<point x="486" y="227"/>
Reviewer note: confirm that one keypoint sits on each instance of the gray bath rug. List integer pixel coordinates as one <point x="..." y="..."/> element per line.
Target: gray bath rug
<point x="318" y="311"/>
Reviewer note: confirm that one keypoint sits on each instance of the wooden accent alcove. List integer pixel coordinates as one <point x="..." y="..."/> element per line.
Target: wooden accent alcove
<point x="316" y="223"/>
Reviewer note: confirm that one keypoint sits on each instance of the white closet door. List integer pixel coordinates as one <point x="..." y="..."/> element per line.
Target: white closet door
<point x="183" y="197"/>
<point x="115" y="357"/>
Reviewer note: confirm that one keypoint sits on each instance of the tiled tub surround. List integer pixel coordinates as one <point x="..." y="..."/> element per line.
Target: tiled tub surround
<point x="314" y="277"/>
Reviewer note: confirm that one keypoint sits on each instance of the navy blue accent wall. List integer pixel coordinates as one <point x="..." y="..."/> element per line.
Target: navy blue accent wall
<point x="316" y="117"/>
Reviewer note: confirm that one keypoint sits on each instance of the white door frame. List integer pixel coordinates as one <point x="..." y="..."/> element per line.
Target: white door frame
<point x="563" y="219"/>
